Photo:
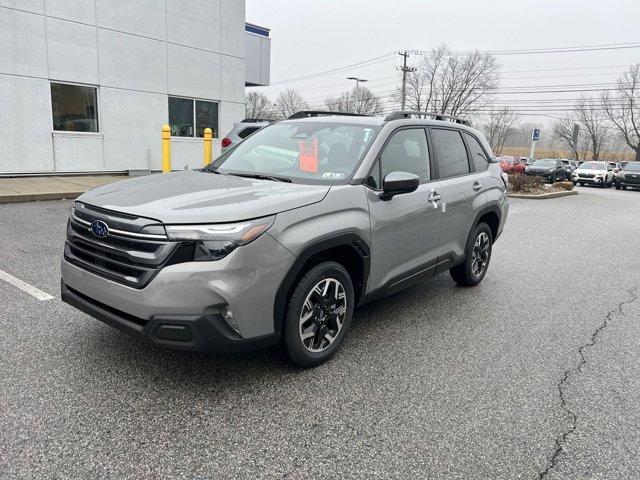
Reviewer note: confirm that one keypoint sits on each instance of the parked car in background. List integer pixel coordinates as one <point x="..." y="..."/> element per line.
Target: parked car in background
<point x="527" y="160"/>
<point x="594" y="173"/>
<point x="242" y="130"/>
<point x="551" y="170"/>
<point x="629" y="176"/>
<point x="510" y="164"/>
<point x="569" y="165"/>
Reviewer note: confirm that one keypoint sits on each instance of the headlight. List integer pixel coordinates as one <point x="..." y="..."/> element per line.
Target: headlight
<point x="219" y="240"/>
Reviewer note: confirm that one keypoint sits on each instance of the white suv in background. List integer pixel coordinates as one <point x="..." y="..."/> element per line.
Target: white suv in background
<point x="242" y="130"/>
<point x="594" y="173"/>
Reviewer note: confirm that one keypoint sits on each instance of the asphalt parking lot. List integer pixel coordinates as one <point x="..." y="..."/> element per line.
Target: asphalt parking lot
<point x="533" y="374"/>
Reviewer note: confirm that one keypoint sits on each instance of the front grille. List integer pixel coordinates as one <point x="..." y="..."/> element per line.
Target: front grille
<point x="125" y="255"/>
<point x="586" y="175"/>
<point x="635" y="179"/>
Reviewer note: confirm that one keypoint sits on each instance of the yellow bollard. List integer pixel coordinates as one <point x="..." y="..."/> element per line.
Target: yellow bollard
<point x="208" y="136"/>
<point x="166" y="149"/>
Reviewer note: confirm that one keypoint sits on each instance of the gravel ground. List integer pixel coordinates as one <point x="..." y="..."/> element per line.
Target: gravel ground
<point x="534" y="373"/>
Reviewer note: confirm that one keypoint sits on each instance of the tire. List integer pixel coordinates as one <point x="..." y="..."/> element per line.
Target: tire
<point x="467" y="274"/>
<point x="582" y="184"/>
<point x="554" y="178"/>
<point x="624" y="187"/>
<point x="617" y="186"/>
<point x="311" y="299"/>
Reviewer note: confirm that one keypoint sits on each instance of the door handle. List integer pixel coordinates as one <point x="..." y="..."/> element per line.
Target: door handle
<point x="477" y="186"/>
<point x="434" y="197"/>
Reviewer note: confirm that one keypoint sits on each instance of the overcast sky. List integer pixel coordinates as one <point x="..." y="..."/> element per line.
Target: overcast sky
<point x="310" y="36"/>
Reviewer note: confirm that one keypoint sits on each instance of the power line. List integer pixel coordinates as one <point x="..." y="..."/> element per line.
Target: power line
<point x="581" y="48"/>
<point x="371" y="61"/>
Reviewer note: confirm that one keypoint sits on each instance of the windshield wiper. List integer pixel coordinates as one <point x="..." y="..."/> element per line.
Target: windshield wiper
<point x="262" y="177"/>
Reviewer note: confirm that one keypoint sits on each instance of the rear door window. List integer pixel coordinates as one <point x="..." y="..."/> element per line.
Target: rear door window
<point x="451" y="154"/>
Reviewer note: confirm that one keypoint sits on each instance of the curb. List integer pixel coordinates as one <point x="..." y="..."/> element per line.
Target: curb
<point x="544" y="196"/>
<point x="34" y="197"/>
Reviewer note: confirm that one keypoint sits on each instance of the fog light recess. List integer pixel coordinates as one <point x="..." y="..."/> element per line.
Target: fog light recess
<point x="227" y="315"/>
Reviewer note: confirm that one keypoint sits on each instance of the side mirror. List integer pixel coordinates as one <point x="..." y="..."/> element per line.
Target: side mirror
<point x="397" y="183"/>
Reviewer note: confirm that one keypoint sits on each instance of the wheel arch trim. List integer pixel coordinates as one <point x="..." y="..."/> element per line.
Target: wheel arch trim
<point x="352" y="240"/>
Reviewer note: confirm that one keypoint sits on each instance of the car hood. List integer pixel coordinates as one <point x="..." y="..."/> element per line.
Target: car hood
<point x="541" y="169"/>
<point x="588" y="170"/>
<point x="199" y="197"/>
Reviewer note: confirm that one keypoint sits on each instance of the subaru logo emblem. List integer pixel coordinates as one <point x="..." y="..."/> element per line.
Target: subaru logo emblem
<point x="99" y="228"/>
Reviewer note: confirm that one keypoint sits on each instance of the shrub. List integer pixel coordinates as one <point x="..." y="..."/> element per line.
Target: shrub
<point x="519" y="183"/>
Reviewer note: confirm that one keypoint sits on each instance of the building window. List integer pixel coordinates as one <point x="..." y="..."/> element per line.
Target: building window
<point x="74" y="107"/>
<point x="189" y="118"/>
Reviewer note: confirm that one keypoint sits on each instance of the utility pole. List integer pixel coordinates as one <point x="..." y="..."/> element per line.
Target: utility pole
<point x="404" y="70"/>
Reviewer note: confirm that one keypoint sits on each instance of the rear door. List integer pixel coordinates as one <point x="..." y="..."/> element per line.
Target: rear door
<point x="405" y="231"/>
<point x="462" y="191"/>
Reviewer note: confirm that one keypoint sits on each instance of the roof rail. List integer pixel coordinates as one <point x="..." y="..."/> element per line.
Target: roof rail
<point x="318" y="113"/>
<point x="254" y="120"/>
<point x="435" y="115"/>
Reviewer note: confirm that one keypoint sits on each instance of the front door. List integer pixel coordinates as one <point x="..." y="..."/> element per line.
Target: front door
<point x="405" y="230"/>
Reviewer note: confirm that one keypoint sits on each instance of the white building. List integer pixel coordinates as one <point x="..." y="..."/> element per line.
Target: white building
<point x="86" y="85"/>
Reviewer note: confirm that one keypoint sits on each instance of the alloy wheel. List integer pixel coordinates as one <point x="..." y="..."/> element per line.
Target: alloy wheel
<point x="323" y="314"/>
<point x="480" y="254"/>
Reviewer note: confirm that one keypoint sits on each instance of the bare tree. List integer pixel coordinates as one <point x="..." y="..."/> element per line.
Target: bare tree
<point x="592" y="118"/>
<point x="451" y="84"/>
<point x="359" y="100"/>
<point x="258" y="105"/>
<point x="289" y="102"/>
<point x="623" y="108"/>
<point x="500" y="125"/>
<point x="563" y="131"/>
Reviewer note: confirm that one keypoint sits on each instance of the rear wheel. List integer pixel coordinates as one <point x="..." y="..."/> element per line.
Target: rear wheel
<point x="477" y="257"/>
<point x="319" y="314"/>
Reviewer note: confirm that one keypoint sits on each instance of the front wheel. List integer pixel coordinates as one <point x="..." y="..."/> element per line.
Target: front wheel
<point x="477" y="257"/>
<point x="319" y="314"/>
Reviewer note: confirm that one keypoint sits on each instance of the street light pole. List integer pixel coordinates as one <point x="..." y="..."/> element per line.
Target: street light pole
<point x="358" y="80"/>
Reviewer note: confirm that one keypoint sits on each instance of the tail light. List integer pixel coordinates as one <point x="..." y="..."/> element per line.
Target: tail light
<point x="226" y="142"/>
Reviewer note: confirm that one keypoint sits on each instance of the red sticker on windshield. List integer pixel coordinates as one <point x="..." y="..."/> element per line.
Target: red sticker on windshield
<point x="309" y="155"/>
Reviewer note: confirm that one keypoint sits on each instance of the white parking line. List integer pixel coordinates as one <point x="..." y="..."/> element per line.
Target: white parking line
<point x="25" y="287"/>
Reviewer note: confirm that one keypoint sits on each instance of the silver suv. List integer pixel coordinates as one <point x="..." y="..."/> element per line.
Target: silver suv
<point x="281" y="237"/>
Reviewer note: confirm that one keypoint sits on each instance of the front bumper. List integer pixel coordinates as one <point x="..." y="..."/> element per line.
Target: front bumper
<point x="592" y="181"/>
<point x="204" y="333"/>
<point x="628" y="182"/>
<point x="188" y="297"/>
<point x="545" y="176"/>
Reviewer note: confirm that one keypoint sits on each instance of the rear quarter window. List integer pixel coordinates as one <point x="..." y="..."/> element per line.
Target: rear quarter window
<point x="479" y="156"/>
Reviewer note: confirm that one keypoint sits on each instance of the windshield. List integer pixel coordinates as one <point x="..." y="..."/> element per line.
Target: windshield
<point x="632" y="167"/>
<point x="305" y="152"/>
<point x="545" y="163"/>
<point x="592" y="166"/>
